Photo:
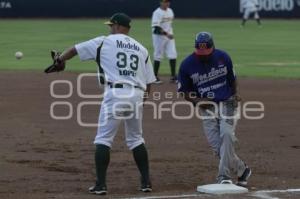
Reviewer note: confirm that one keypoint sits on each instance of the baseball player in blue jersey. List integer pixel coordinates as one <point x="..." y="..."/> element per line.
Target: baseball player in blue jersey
<point x="207" y="79"/>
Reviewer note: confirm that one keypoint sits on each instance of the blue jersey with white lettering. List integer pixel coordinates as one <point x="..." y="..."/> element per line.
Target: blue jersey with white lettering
<point x="212" y="79"/>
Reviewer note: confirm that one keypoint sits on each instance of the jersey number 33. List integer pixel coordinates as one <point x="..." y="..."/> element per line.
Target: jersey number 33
<point x="124" y="60"/>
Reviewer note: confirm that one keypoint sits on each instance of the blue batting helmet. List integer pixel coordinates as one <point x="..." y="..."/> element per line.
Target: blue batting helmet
<point x="204" y="43"/>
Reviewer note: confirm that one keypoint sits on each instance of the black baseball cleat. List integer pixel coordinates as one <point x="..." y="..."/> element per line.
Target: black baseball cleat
<point x="98" y="190"/>
<point x="242" y="181"/>
<point x="173" y="79"/>
<point x="146" y="187"/>
<point x="158" y="81"/>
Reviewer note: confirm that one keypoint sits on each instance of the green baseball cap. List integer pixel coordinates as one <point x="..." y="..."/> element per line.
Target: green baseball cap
<point x="120" y="19"/>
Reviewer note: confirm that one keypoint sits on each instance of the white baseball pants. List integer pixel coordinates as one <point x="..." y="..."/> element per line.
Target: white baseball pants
<point x="163" y="46"/>
<point x="121" y="104"/>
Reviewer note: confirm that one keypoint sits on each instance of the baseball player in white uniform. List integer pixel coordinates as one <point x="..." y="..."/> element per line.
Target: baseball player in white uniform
<point x="126" y="72"/>
<point x="163" y="38"/>
<point x="249" y="7"/>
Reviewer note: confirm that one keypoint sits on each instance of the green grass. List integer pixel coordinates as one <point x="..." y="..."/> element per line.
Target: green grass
<point x="270" y="51"/>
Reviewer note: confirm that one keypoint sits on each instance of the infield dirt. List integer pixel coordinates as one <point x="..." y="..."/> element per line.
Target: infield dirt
<point x="46" y="158"/>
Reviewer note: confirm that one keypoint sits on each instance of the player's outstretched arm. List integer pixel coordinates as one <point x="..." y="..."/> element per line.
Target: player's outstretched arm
<point x="59" y="60"/>
<point x="68" y="54"/>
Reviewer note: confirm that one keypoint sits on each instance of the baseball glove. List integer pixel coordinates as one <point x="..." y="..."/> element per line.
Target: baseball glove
<point x="57" y="65"/>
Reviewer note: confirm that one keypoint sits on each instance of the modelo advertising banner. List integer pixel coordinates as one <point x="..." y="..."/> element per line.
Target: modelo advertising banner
<point x="277" y="8"/>
<point x="143" y="8"/>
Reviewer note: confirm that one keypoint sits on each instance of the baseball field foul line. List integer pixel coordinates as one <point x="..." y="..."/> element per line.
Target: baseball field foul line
<point x="263" y="194"/>
<point x="174" y="196"/>
<point x="278" y="191"/>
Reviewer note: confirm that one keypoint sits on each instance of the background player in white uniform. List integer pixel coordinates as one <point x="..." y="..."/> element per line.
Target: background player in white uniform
<point x="163" y="39"/>
<point x="127" y="72"/>
<point x="249" y="7"/>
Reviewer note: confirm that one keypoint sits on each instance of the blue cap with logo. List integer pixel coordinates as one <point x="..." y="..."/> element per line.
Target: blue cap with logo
<point x="204" y="43"/>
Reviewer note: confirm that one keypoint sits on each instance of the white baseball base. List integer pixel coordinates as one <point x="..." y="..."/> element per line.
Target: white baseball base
<point x="221" y="189"/>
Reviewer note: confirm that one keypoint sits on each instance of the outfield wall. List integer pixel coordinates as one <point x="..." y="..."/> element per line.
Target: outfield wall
<point x="143" y="8"/>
